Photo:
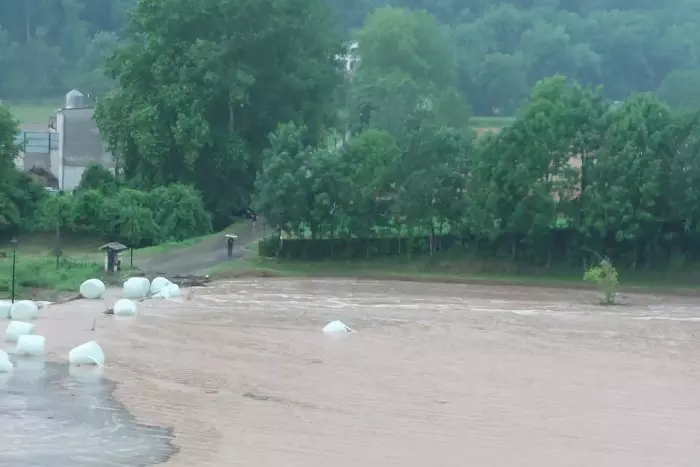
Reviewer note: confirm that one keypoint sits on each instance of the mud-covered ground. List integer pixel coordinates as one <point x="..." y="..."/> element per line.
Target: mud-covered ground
<point x="437" y="375"/>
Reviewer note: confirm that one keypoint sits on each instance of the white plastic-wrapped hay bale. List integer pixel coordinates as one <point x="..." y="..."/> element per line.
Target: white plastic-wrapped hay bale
<point x="24" y="310"/>
<point x="3" y="355"/>
<point x="337" y="327"/>
<point x="17" y="329"/>
<point x="163" y="293"/>
<point x="124" y="307"/>
<point x="173" y="290"/>
<point x="6" y="365"/>
<point x="158" y="284"/>
<point x="92" y="289"/>
<point x="31" y="346"/>
<point x="89" y="353"/>
<point x="137" y="287"/>
<point x="5" y="308"/>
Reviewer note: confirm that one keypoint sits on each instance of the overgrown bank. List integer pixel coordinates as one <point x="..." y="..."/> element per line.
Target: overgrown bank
<point x="446" y="268"/>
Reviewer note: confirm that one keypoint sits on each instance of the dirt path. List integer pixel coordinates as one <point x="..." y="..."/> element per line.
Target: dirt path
<point x="205" y="255"/>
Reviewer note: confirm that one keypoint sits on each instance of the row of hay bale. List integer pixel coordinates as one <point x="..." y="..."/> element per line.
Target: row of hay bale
<point x="23" y="333"/>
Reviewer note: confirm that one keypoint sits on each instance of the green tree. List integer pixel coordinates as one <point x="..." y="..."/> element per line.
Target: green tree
<point x="19" y="194"/>
<point x="283" y="184"/>
<point x="680" y="89"/>
<point x="432" y="175"/>
<point x="370" y="162"/>
<point x="528" y="177"/>
<point x="131" y="218"/>
<point x="97" y="177"/>
<point x="179" y="212"/>
<point x="406" y="63"/>
<point x="628" y="196"/>
<point x="90" y="213"/>
<point x="200" y="92"/>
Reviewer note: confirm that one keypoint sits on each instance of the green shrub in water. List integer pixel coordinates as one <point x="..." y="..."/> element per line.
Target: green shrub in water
<point x="605" y="277"/>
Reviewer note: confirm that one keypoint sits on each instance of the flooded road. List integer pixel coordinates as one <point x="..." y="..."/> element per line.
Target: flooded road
<point x="437" y="375"/>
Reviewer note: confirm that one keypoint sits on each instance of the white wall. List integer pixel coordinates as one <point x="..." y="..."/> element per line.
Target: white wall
<point x="71" y="177"/>
<point x="57" y="155"/>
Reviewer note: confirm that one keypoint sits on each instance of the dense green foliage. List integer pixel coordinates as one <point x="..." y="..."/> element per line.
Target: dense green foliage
<point x="259" y="102"/>
<point x="500" y="48"/>
<point x="19" y="194"/>
<point x="106" y="211"/>
<point x="118" y="213"/>
<point x="570" y="177"/>
<point x="50" y="46"/>
<point x="198" y="95"/>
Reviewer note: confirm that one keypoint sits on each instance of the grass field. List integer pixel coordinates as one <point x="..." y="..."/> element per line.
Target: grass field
<point x="38" y="111"/>
<point x="449" y="271"/>
<point x="34" y="112"/>
<point x="39" y="274"/>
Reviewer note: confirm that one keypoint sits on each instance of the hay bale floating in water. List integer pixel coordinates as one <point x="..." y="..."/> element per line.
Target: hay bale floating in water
<point x="31" y="346"/>
<point x="124" y="307"/>
<point x="17" y="329"/>
<point x="92" y="289"/>
<point x="6" y="365"/>
<point x="137" y="288"/>
<point x="174" y="290"/>
<point x="5" y="308"/>
<point x="89" y="353"/>
<point x="158" y="284"/>
<point x="337" y="327"/>
<point x="24" y="310"/>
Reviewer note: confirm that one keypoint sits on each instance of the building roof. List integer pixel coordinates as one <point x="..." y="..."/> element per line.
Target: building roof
<point x="82" y="144"/>
<point x="116" y="246"/>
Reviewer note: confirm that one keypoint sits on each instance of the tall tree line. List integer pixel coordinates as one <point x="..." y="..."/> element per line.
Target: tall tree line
<point x="571" y="180"/>
<point x="48" y="47"/>
<point x="502" y="48"/>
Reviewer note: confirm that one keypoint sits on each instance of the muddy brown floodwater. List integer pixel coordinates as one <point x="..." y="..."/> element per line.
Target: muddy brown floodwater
<point x="438" y="375"/>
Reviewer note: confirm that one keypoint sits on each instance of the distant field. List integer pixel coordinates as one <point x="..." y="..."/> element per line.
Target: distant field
<point x="491" y="122"/>
<point x="34" y="112"/>
<point x="31" y="113"/>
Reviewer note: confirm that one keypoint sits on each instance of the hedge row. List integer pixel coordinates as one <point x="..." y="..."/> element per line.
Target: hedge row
<point x="566" y="247"/>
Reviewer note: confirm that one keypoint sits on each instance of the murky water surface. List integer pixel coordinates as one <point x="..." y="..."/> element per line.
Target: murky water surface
<point x="55" y="416"/>
<point x="438" y="375"/>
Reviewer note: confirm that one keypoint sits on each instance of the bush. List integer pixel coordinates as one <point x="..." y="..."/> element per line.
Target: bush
<point x="179" y="212"/>
<point x="133" y="217"/>
<point x="90" y="213"/>
<point x="97" y="177"/>
<point x="605" y="277"/>
<point x="269" y="247"/>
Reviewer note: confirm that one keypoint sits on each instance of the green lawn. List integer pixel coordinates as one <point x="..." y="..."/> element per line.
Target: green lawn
<point x="445" y="271"/>
<point x="37" y="273"/>
<point x="34" y="111"/>
<point x="40" y="276"/>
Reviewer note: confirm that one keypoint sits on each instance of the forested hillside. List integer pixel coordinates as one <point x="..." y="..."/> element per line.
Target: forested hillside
<point x="50" y="46"/>
<point x="501" y="48"/>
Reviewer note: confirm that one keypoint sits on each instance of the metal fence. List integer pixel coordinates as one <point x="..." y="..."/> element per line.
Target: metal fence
<point x="37" y="141"/>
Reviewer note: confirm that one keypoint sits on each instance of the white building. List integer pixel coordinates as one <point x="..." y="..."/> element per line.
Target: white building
<point x="79" y="143"/>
